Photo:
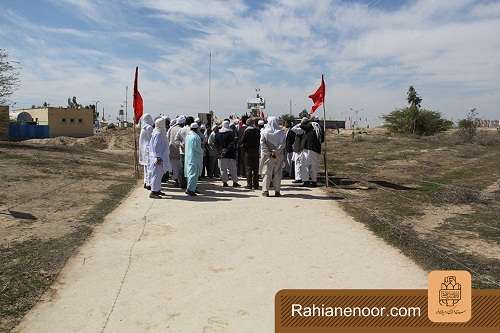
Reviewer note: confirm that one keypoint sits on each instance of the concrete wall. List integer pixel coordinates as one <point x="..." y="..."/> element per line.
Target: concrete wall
<point x="76" y="123"/>
<point x="39" y="116"/>
<point x="4" y="122"/>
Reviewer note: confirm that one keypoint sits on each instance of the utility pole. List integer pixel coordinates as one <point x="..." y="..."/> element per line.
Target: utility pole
<point x="209" y="82"/>
<point x="290" y="106"/>
<point x="126" y="105"/>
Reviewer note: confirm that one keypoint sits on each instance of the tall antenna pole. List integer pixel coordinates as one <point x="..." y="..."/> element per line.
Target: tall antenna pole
<point x="290" y="105"/>
<point x="210" y="82"/>
<point x="126" y="104"/>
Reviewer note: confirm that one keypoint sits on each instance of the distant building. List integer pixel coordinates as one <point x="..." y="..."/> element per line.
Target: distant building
<point x="72" y="122"/>
<point x="488" y="123"/>
<point x="256" y="105"/>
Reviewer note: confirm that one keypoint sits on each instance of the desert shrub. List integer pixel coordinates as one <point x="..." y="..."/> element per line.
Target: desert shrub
<point x="487" y="138"/>
<point x="458" y="196"/>
<point x="468" y="126"/>
<point x="421" y="122"/>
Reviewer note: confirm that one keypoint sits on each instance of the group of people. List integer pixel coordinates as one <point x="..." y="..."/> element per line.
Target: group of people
<point x="185" y="150"/>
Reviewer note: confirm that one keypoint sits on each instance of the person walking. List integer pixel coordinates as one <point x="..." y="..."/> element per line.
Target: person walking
<point x="250" y="145"/>
<point x="272" y="143"/>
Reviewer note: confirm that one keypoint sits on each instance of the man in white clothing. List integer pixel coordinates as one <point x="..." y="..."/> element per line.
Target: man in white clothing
<point x="175" y="157"/>
<point x="158" y="158"/>
<point x="144" y="138"/>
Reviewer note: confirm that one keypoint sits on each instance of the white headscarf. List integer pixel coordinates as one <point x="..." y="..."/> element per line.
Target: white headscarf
<point x="225" y="127"/>
<point x="160" y="126"/>
<point x="273" y="132"/>
<point x="181" y="120"/>
<point x="146" y="120"/>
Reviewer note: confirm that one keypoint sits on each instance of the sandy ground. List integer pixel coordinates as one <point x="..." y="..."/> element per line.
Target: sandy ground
<point x="213" y="263"/>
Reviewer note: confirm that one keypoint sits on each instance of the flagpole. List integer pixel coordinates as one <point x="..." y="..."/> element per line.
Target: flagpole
<point x="136" y="162"/>
<point x="209" y="82"/>
<point x="136" y="157"/>
<point x="326" y="149"/>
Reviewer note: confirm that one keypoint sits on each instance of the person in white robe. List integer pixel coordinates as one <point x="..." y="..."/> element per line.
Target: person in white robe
<point x="193" y="160"/>
<point x="180" y="142"/>
<point x="272" y="143"/>
<point x="147" y="124"/>
<point x="158" y="158"/>
<point x="174" y="149"/>
<point x="298" y="152"/>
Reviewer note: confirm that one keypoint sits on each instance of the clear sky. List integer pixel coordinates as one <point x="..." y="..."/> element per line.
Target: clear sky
<point x="370" y="52"/>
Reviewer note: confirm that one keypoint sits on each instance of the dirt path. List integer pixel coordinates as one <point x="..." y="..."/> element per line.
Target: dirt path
<point x="213" y="263"/>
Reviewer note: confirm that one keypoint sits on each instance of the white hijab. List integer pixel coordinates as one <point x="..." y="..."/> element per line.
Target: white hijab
<point x="225" y="127"/>
<point x="181" y="120"/>
<point x="160" y="126"/>
<point x="273" y="132"/>
<point x="146" y="120"/>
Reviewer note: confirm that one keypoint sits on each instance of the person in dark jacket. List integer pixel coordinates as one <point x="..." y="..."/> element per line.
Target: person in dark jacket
<point x="241" y="154"/>
<point x="250" y="145"/>
<point x="226" y="142"/>
<point x="312" y="153"/>
<point x="290" y="139"/>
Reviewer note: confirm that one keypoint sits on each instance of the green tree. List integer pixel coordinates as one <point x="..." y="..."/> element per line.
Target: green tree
<point x="303" y="114"/>
<point x="414" y="120"/>
<point x="426" y="122"/>
<point x="9" y="77"/>
<point x="414" y="100"/>
<point x="287" y="118"/>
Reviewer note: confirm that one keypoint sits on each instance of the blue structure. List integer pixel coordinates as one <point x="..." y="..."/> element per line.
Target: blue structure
<point x="27" y="131"/>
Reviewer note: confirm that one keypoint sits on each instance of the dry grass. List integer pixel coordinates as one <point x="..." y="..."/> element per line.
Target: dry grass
<point x="419" y="190"/>
<point x="54" y="192"/>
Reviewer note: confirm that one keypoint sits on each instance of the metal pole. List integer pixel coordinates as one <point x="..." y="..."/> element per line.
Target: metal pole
<point x="210" y="82"/>
<point x="136" y="163"/>
<point x="326" y="149"/>
<point x="126" y="104"/>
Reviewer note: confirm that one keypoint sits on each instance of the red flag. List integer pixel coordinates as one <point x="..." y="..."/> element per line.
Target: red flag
<point x="318" y="97"/>
<point x="138" y="105"/>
